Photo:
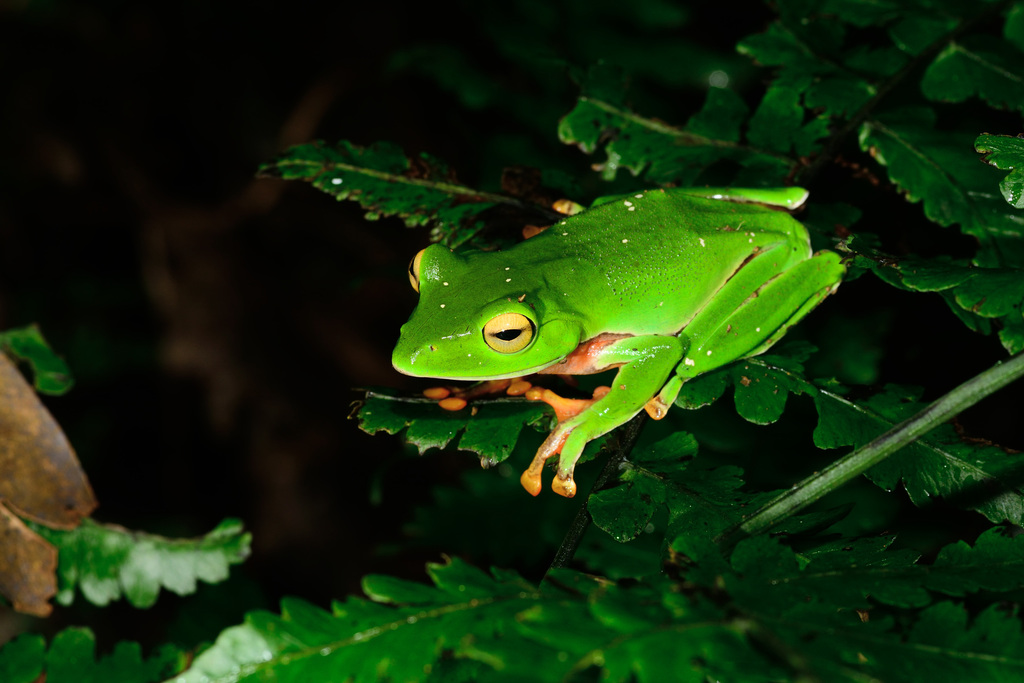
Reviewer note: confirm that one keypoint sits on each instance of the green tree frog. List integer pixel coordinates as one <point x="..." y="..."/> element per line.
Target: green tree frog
<point x="662" y="284"/>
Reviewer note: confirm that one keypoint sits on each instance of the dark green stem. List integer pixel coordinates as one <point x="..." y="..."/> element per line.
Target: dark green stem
<point x="843" y="470"/>
<point x="574" y="536"/>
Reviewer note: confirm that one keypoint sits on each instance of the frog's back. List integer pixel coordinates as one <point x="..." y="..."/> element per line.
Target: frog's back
<point x="649" y="262"/>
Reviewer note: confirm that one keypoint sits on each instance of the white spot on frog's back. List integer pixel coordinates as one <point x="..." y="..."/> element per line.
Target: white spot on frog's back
<point x="701" y="240"/>
<point x="336" y="181"/>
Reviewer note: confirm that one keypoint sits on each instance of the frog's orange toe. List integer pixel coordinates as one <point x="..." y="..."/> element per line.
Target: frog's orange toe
<point x="656" y="408"/>
<point x="452" y="403"/>
<point x="531" y="482"/>
<point x="564" y="487"/>
<point x="518" y="387"/>
<point x="437" y="393"/>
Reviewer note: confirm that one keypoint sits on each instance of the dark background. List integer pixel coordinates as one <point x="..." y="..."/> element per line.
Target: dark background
<point x="217" y="324"/>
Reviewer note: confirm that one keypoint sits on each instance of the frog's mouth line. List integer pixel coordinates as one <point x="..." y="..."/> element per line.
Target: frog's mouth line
<point x="469" y="377"/>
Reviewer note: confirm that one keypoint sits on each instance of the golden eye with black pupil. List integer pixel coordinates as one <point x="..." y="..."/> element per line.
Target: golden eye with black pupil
<point x="509" y="332"/>
<point x="414" y="270"/>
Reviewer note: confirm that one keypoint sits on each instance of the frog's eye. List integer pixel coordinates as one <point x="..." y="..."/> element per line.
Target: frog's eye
<point x="509" y="332"/>
<point x="414" y="270"/>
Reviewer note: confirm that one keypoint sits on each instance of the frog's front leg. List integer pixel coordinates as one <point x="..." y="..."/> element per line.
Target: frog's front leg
<point x="645" y="363"/>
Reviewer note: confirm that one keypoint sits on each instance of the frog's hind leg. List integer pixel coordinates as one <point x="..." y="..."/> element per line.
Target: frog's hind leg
<point x="760" y="321"/>
<point x="815" y="278"/>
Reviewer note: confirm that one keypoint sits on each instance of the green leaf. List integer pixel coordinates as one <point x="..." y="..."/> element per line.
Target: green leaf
<point x="386" y="182"/>
<point x="22" y="659"/>
<point x="52" y="375"/>
<point x="492" y="431"/>
<point x="994" y="563"/>
<point x="767" y="614"/>
<point x="72" y="659"/>
<point x="913" y="32"/>
<point x="721" y="117"/>
<point x="855" y="574"/>
<point x="646" y="147"/>
<point x="369" y="641"/>
<point x="656" y="151"/>
<point x="944" y="645"/>
<point x="701" y="496"/>
<point x="779" y="117"/>
<point x="812" y="74"/>
<point x="986" y="67"/>
<point x="106" y="561"/>
<point x="938" y="168"/>
<point x="1006" y="153"/>
<point x="624" y="511"/>
<point x="1013" y="29"/>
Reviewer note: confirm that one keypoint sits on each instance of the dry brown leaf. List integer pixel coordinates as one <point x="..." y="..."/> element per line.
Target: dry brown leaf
<point x="28" y="567"/>
<point x="40" y="477"/>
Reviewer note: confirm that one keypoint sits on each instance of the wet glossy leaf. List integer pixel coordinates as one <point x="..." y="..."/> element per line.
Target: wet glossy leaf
<point x="1006" y="153"/>
<point x="625" y="510"/>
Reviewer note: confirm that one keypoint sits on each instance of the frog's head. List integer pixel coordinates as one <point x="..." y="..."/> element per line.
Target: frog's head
<point x="475" y="320"/>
